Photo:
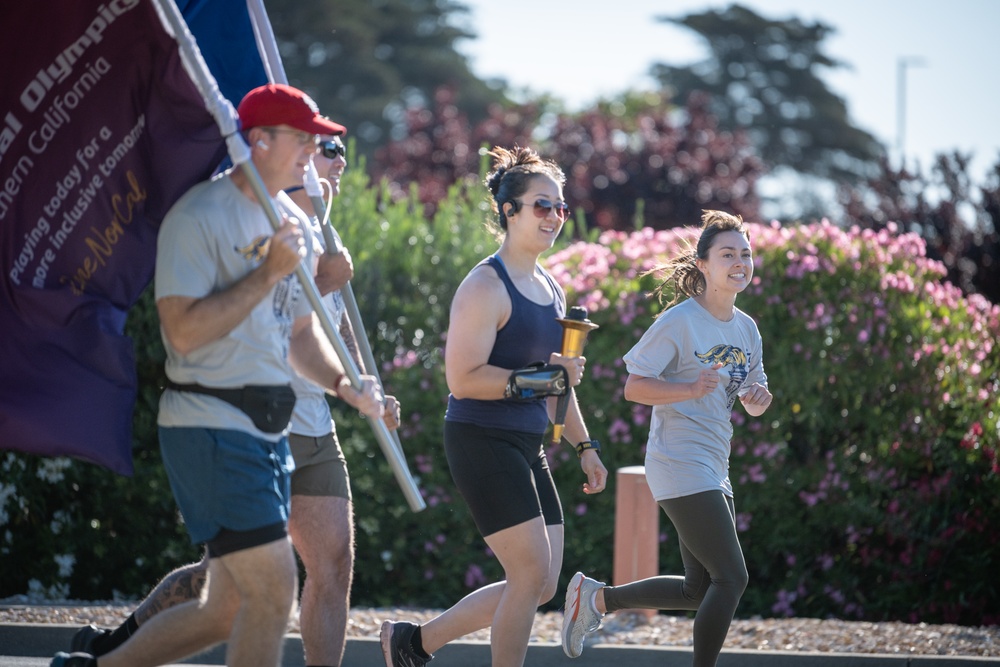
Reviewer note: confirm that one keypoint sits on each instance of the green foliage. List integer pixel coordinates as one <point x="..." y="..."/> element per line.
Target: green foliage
<point x="867" y="491"/>
<point x="409" y="267"/>
<point x="881" y="446"/>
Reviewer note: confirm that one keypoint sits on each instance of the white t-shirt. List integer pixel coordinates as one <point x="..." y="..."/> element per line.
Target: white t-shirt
<point x="312" y="412"/>
<point x="210" y="239"/>
<point x="689" y="441"/>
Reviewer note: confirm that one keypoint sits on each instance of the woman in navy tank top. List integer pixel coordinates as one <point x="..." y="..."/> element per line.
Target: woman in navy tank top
<point x="503" y="318"/>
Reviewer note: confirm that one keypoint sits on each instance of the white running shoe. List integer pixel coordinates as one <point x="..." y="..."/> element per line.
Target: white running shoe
<point x="580" y="614"/>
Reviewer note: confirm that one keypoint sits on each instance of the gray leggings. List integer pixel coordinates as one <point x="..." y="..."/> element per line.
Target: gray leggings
<point x="715" y="574"/>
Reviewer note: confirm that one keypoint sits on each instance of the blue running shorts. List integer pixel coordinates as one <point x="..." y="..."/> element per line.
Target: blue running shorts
<point x="225" y="480"/>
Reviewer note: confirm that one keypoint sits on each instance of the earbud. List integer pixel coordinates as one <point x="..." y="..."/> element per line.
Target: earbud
<point x="262" y="145"/>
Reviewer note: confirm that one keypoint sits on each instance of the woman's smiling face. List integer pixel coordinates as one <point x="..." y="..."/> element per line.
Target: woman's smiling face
<point x="729" y="266"/>
<point x="547" y="193"/>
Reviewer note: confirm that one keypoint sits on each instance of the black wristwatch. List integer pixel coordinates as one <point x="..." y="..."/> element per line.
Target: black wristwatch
<point x="581" y="447"/>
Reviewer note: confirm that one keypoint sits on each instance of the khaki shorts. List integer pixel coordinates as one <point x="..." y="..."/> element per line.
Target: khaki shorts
<point x="320" y="466"/>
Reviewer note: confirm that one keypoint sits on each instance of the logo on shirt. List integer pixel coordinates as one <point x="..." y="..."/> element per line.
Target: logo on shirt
<point x="256" y="250"/>
<point x="728" y="355"/>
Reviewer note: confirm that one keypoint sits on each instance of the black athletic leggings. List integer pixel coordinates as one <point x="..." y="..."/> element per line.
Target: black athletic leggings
<point x="715" y="574"/>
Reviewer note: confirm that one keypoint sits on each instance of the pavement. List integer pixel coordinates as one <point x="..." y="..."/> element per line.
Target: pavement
<point x="33" y="645"/>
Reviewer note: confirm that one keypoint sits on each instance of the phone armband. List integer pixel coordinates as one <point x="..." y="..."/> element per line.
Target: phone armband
<point x="536" y="381"/>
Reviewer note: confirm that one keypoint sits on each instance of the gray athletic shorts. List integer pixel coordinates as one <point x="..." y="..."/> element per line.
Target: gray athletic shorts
<point x="320" y="466"/>
<point x="228" y="482"/>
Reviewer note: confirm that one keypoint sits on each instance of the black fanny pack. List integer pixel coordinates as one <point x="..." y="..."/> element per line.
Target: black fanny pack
<point x="269" y="406"/>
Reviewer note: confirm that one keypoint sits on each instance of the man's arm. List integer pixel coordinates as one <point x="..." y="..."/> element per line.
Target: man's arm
<point x="312" y="356"/>
<point x="190" y="323"/>
<point x="351" y="342"/>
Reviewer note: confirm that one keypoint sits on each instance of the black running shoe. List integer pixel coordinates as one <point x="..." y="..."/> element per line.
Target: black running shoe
<point x="73" y="660"/>
<point x="83" y="640"/>
<point x="396" y="647"/>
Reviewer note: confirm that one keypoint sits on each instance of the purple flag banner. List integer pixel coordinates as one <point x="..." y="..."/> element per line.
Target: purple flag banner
<point x="101" y="130"/>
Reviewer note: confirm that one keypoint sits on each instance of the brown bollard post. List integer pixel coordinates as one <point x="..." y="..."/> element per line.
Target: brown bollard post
<point x="637" y="529"/>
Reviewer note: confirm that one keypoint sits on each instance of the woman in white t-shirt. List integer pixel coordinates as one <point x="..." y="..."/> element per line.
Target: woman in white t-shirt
<point x="697" y="358"/>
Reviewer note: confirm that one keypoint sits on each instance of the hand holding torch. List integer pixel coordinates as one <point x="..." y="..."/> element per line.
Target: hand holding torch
<point x="576" y="326"/>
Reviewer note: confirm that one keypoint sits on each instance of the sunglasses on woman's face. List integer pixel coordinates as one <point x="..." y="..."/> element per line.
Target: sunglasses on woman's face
<point x="543" y="207"/>
<point x="331" y="149"/>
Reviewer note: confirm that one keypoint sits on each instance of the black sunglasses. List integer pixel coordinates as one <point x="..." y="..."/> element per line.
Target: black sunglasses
<point x="330" y="149"/>
<point x="543" y="207"/>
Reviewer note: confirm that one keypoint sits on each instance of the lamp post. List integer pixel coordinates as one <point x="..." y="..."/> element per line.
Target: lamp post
<point x="901" y="65"/>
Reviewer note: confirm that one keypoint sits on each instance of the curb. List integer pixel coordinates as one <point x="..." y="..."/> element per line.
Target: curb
<point x="43" y="640"/>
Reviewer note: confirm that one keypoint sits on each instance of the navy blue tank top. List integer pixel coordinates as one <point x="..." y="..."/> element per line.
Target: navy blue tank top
<point x="531" y="334"/>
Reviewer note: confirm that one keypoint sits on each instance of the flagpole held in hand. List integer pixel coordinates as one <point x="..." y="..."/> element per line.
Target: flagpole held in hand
<point x="333" y="246"/>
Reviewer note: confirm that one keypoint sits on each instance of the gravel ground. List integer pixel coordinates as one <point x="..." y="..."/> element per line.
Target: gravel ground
<point x="792" y="634"/>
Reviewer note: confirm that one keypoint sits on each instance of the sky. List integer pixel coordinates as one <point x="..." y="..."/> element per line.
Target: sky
<point x="580" y="50"/>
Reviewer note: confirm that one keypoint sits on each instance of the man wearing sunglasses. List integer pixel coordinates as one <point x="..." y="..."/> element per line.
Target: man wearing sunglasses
<point x="218" y="240"/>
<point x="321" y="523"/>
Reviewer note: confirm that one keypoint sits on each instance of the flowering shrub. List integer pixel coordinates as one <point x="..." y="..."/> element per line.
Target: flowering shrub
<point x="869" y="490"/>
<point x="865" y="490"/>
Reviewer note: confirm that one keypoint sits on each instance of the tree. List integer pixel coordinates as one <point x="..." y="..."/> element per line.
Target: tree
<point x="440" y="147"/>
<point x="763" y="76"/>
<point x="932" y="207"/>
<point x="639" y="160"/>
<point x="636" y="158"/>
<point x="366" y="62"/>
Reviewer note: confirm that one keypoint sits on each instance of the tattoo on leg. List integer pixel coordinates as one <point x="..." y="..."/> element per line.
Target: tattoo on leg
<point x="177" y="587"/>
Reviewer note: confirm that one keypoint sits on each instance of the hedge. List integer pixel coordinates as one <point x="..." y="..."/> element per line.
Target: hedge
<point x="869" y="490"/>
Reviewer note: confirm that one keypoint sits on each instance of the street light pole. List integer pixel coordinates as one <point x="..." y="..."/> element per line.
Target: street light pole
<point x="901" y="65"/>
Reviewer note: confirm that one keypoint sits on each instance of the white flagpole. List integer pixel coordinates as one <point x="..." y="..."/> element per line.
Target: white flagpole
<point x="225" y="116"/>
<point x="268" y="49"/>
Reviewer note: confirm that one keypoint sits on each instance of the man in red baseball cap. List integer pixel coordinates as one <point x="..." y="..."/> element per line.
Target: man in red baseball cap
<point x="235" y="325"/>
<point x="277" y="104"/>
<point x="321" y="519"/>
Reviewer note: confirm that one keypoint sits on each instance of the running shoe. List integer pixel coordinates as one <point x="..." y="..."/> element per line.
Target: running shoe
<point x="580" y="614"/>
<point x="73" y="660"/>
<point x="396" y="645"/>
<point x="83" y="640"/>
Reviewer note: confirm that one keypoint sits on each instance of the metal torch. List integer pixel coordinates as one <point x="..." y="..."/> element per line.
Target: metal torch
<point x="575" y="326"/>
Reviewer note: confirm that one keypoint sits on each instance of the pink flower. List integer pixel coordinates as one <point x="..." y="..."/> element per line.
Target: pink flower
<point x="783" y="605"/>
<point x="474" y="577"/>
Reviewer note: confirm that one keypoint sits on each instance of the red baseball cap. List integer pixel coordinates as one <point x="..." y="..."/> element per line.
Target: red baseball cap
<point x="278" y="104"/>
